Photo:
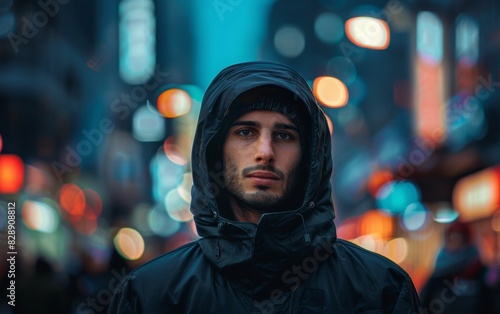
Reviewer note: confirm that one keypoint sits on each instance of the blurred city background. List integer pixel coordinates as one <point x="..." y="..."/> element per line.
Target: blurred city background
<point x="99" y="103"/>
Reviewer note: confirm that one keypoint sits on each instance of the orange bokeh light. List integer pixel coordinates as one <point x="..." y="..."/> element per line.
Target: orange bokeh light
<point x="376" y="222"/>
<point x="477" y="196"/>
<point x="174" y="103"/>
<point x="430" y="105"/>
<point x="72" y="199"/>
<point x="11" y="173"/>
<point x="129" y="243"/>
<point x="330" y="91"/>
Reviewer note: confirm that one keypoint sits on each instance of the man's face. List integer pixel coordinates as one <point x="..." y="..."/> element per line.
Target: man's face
<point x="262" y="153"/>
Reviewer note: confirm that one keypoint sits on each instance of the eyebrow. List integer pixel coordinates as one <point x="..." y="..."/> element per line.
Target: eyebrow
<point x="280" y="126"/>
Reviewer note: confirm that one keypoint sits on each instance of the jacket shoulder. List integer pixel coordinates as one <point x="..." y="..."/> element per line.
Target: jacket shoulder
<point x="169" y="263"/>
<point x="381" y="279"/>
<point x="363" y="259"/>
<point x="149" y="287"/>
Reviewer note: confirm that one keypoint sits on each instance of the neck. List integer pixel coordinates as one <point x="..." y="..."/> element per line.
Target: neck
<point x="244" y="213"/>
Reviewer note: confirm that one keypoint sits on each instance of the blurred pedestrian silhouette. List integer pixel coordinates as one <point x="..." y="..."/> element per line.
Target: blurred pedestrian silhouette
<point x="457" y="284"/>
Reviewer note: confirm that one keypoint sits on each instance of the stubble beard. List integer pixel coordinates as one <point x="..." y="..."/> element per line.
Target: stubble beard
<point x="260" y="200"/>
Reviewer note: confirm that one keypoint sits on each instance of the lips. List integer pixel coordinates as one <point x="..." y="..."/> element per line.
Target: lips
<point x="263" y="175"/>
<point x="263" y="178"/>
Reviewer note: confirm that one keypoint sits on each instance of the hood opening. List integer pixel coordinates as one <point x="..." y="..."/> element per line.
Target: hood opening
<point x="265" y="97"/>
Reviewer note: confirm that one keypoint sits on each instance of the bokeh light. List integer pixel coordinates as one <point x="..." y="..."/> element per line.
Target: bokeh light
<point x="329" y="27"/>
<point x="72" y="199"/>
<point x="184" y="189"/>
<point x="82" y="208"/>
<point x="165" y="174"/>
<point x="129" y="243"/>
<point x="395" y="196"/>
<point x="368" y="32"/>
<point x="289" y="41"/>
<point x="376" y="222"/>
<point x="11" y="173"/>
<point x="177" y="207"/>
<point x="174" y="103"/>
<point x="136" y="35"/>
<point x="467" y="40"/>
<point x="148" y="126"/>
<point x="161" y="223"/>
<point x="477" y="196"/>
<point x="174" y="151"/>
<point x="445" y="214"/>
<point x="396" y="250"/>
<point x="414" y="216"/>
<point x="371" y="242"/>
<point x="40" y="215"/>
<point x="429" y="37"/>
<point x="330" y="91"/>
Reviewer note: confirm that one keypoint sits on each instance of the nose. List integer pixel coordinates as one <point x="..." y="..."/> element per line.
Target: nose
<point x="264" y="153"/>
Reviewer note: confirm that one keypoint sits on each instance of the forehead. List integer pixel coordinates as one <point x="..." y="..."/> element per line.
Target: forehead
<point x="265" y="116"/>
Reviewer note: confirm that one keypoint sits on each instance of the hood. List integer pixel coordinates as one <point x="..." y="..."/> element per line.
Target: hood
<point x="266" y="250"/>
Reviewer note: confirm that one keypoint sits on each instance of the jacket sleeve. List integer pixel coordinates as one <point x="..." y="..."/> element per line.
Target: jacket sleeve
<point x="124" y="300"/>
<point x="408" y="301"/>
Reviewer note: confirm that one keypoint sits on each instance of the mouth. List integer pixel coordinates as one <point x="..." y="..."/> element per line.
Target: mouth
<point x="263" y="177"/>
<point x="263" y="174"/>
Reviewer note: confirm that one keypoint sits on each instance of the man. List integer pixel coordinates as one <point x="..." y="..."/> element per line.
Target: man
<point x="261" y="200"/>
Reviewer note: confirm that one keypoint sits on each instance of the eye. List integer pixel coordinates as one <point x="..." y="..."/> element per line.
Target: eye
<point x="284" y="136"/>
<point x="244" y="132"/>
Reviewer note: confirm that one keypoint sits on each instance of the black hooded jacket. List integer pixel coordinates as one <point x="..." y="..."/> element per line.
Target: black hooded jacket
<point x="291" y="261"/>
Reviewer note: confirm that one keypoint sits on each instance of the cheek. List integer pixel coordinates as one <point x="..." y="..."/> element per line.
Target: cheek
<point x="231" y="155"/>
